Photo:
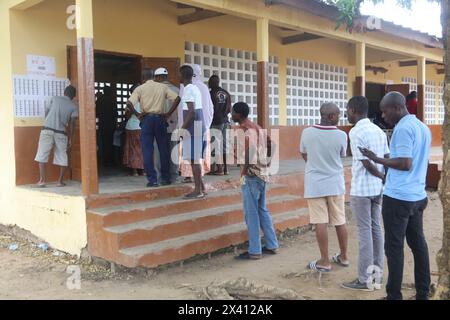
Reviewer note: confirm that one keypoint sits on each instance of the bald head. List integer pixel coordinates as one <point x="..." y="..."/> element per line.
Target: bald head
<point x="393" y="107"/>
<point x="329" y="108"/>
<point x="330" y="113"/>
<point x="394" y="99"/>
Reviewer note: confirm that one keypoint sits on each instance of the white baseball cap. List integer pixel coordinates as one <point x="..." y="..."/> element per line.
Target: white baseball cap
<point x="161" y="72"/>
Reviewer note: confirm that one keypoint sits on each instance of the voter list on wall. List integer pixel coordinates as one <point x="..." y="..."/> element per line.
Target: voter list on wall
<point x="31" y="93"/>
<point x="34" y="90"/>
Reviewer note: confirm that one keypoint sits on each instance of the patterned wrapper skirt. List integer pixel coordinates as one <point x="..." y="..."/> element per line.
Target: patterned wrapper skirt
<point x="132" y="152"/>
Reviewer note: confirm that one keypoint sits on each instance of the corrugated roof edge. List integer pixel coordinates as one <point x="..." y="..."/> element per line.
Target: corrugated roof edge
<point x="321" y="9"/>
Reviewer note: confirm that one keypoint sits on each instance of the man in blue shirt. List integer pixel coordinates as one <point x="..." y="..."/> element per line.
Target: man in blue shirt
<point x="405" y="197"/>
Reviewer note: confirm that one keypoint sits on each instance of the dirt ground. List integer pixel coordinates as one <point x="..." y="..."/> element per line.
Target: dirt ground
<point x="30" y="273"/>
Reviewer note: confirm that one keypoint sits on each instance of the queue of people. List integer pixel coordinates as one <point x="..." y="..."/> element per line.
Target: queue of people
<point x="388" y="181"/>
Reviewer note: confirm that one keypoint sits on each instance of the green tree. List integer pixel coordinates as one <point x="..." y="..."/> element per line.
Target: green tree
<point x="349" y="14"/>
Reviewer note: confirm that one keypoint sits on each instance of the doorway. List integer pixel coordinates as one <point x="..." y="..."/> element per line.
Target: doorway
<point x="375" y="93"/>
<point x="115" y="74"/>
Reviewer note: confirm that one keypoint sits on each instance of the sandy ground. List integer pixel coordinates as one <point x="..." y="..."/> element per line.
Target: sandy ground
<point x="29" y="273"/>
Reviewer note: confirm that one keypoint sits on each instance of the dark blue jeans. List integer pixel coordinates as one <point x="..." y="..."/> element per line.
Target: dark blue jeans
<point x="155" y="127"/>
<point x="404" y="219"/>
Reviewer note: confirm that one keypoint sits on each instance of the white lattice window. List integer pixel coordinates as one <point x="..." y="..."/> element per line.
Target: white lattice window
<point x="412" y="83"/>
<point x="274" y="100"/>
<point x="237" y="71"/>
<point x="430" y="102"/>
<point x="309" y="85"/>
<point x="441" y="110"/>
<point x="122" y="94"/>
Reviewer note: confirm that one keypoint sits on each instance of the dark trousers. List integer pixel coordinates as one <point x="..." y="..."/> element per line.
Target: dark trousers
<point x="155" y="127"/>
<point x="404" y="219"/>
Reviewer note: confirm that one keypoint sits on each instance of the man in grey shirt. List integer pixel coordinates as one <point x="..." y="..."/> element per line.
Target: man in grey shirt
<point x="323" y="147"/>
<point x="60" y="113"/>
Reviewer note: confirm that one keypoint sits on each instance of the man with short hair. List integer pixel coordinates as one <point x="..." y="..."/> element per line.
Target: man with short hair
<point x="222" y="107"/>
<point x="254" y="178"/>
<point x="405" y="198"/>
<point x="323" y="147"/>
<point x="366" y="194"/>
<point x="152" y="96"/>
<point x="60" y="116"/>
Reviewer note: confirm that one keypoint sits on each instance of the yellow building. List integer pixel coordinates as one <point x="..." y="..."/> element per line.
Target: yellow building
<point x="286" y="57"/>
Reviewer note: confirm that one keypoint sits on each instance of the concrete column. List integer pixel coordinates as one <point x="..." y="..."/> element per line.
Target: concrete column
<point x="86" y="98"/>
<point x="421" y="81"/>
<point x="263" y="72"/>
<point x="360" y="80"/>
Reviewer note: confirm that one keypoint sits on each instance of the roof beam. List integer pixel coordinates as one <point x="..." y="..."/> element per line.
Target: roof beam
<point x="24" y="4"/>
<point x="411" y="63"/>
<point x="283" y="16"/>
<point x="299" y="38"/>
<point x="198" y="15"/>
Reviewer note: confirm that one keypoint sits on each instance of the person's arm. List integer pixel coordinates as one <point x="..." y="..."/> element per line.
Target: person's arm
<point x="244" y="168"/>
<point x="303" y="151"/>
<point x="373" y="170"/>
<point x="134" y="100"/>
<point x="132" y="110"/>
<point x="357" y="140"/>
<point x="189" y="116"/>
<point x="403" y="146"/>
<point x="402" y="164"/>
<point x="174" y="107"/>
<point x="229" y="107"/>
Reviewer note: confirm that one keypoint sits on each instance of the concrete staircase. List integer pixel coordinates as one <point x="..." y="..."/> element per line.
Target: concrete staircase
<point x="150" y="229"/>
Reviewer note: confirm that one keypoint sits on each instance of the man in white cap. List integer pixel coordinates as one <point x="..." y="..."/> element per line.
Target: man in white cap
<point x="161" y="75"/>
<point x="152" y="96"/>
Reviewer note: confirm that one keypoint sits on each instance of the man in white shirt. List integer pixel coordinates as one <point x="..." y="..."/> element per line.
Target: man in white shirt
<point x="366" y="194"/>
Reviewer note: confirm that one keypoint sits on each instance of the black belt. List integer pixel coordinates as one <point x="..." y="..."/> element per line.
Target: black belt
<point x="154" y="114"/>
<point x="55" y="131"/>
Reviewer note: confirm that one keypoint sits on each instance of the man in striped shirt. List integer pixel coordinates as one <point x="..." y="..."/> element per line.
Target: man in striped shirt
<point x="366" y="194"/>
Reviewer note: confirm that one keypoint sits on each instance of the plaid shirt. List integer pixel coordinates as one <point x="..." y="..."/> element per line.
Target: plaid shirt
<point x="365" y="134"/>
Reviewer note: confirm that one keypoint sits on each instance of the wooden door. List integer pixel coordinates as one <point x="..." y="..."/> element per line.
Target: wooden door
<point x="402" y="88"/>
<point x="171" y="64"/>
<point x="75" y="152"/>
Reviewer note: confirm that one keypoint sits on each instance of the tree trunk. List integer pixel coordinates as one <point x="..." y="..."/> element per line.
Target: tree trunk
<point x="443" y="257"/>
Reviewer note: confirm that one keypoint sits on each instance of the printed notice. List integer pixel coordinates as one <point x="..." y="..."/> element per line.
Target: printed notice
<point x="41" y="66"/>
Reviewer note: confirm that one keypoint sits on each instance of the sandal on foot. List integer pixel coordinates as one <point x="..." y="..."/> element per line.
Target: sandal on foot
<point x="192" y="196"/>
<point x="313" y="266"/>
<point x="337" y="259"/>
<point x="248" y="256"/>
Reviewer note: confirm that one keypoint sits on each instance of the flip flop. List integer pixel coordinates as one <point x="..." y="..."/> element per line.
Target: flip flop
<point x="313" y="266"/>
<point x="189" y="197"/>
<point x="337" y="259"/>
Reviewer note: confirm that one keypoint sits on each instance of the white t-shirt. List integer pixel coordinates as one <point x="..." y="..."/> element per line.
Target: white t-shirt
<point x="191" y="94"/>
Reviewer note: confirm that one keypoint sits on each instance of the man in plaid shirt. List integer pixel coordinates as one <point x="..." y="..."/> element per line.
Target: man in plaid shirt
<point x="366" y="193"/>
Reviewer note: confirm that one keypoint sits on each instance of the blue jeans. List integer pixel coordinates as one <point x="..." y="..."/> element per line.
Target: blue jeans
<point x="155" y="127"/>
<point x="257" y="215"/>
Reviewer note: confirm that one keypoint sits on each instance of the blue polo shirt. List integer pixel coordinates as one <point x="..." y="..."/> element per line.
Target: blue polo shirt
<point x="411" y="139"/>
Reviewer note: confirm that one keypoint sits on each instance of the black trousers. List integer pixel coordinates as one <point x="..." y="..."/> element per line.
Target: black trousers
<point x="404" y="219"/>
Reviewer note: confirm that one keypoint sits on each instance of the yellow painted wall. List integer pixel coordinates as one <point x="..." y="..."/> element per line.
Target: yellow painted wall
<point x="59" y="220"/>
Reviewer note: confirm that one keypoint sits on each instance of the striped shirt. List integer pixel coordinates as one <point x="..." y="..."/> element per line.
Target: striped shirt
<point x="365" y="134"/>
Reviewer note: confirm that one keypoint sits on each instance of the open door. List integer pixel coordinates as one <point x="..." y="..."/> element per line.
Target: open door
<point x="171" y="64"/>
<point x="402" y="88"/>
<point x="74" y="169"/>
